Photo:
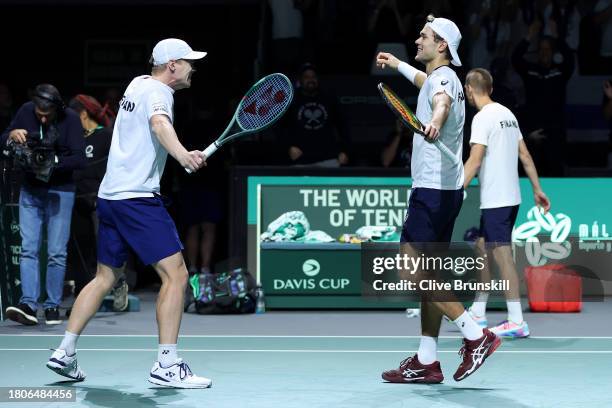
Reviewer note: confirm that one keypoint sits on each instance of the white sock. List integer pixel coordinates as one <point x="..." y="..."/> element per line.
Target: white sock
<point x="479" y="307"/>
<point x="515" y="310"/>
<point x="468" y="326"/>
<point x="69" y="343"/>
<point x="166" y="355"/>
<point x="428" y="350"/>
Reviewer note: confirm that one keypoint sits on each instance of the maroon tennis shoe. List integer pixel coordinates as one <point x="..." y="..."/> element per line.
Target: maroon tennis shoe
<point x="412" y="371"/>
<point x="475" y="352"/>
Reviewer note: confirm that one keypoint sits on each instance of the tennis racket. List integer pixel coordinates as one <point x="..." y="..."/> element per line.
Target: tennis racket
<point x="409" y="119"/>
<point x="263" y="104"/>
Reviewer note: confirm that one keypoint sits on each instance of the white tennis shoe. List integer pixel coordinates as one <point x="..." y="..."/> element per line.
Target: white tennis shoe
<point x="178" y="375"/>
<point x="65" y="365"/>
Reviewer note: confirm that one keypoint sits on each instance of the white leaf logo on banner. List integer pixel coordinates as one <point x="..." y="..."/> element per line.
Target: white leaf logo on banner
<point x="559" y="227"/>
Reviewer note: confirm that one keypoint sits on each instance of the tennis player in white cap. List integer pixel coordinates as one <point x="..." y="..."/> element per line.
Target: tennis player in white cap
<point x="132" y="213"/>
<point x="437" y="196"/>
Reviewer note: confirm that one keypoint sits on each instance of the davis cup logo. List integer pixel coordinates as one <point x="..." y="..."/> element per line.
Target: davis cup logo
<point x="558" y="226"/>
<point x="311" y="267"/>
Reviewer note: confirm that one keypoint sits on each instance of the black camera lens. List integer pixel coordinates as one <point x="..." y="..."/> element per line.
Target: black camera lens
<point x="41" y="157"/>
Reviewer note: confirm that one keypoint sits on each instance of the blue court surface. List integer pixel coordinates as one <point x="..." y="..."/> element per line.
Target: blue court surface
<point x="271" y="361"/>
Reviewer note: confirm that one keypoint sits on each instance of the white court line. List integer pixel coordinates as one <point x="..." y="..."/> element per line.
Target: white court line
<point x="265" y="336"/>
<point x="317" y="351"/>
<point x="230" y="336"/>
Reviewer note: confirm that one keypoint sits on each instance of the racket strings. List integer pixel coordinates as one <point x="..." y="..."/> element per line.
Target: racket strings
<point x="396" y="103"/>
<point x="265" y="103"/>
<point x="401" y="108"/>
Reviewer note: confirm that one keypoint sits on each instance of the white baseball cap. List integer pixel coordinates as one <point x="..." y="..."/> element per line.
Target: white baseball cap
<point x="450" y="32"/>
<point x="174" y="49"/>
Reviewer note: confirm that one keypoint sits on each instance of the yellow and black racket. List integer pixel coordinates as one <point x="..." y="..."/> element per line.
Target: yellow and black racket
<point x="409" y="119"/>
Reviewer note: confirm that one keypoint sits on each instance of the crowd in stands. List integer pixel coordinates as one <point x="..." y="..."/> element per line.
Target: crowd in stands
<point x="533" y="49"/>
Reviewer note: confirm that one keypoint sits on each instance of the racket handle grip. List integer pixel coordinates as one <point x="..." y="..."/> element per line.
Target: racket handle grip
<point x="445" y="151"/>
<point x="210" y="149"/>
<point x="207" y="152"/>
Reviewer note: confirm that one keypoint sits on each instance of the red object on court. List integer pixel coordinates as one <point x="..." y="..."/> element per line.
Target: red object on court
<point x="553" y="288"/>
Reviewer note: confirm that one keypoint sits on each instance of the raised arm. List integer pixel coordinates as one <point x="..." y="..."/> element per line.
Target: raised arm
<point x="538" y="195"/>
<point x="384" y="59"/>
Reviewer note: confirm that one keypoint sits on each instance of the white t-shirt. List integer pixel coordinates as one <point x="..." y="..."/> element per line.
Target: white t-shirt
<point x="136" y="159"/>
<point x="496" y="127"/>
<point x="430" y="168"/>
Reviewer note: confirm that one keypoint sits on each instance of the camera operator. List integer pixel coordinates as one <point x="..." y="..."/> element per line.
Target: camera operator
<point x="45" y="140"/>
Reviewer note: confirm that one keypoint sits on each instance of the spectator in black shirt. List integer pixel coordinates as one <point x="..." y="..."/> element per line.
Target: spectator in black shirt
<point x="545" y="88"/>
<point x="95" y="121"/>
<point x="314" y="123"/>
<point x="46" y="197"/>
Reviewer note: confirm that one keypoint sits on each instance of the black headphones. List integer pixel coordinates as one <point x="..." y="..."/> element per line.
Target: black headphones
<point x="51" y="98"/>
<point x="54" y="99"/>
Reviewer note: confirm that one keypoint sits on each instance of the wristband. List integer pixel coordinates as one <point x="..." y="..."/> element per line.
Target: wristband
<point x="408" y="71"/>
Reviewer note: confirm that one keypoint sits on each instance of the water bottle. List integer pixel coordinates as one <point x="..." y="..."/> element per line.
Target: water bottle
<point x="260" y="303"/>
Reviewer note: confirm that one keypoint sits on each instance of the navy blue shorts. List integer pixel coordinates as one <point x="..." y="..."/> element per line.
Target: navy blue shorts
<point x="496" y="225"/>
<point x="142" y="224"/>
<point x="431" y="215"/>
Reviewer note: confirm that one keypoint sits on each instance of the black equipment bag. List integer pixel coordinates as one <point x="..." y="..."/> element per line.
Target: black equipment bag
<point x="230" y="292"/>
